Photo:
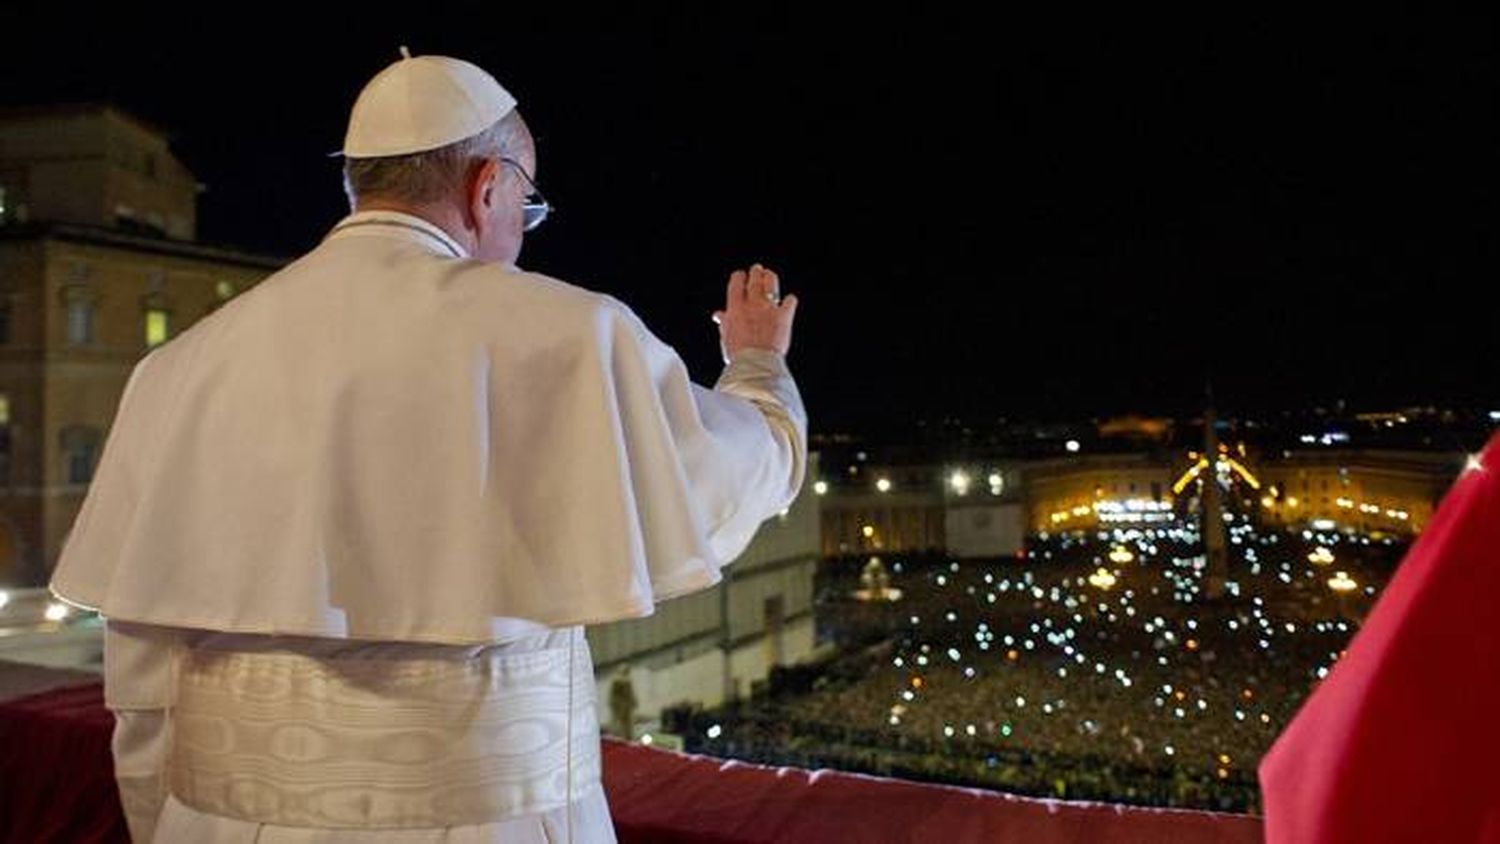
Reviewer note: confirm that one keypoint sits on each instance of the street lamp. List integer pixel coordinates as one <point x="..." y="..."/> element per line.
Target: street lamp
<point x="1322" y="556"/>
<point x="960" y="482"/>
<point x="1342" y="583"/>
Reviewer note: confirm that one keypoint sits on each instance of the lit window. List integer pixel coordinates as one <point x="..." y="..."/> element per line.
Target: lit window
<point x="156" y="327"/>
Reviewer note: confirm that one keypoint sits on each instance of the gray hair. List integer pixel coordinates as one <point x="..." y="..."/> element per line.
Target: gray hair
<point x="433" y="174"/>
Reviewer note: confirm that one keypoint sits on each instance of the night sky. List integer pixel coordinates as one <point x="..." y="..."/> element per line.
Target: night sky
<point x="982" y="217"/>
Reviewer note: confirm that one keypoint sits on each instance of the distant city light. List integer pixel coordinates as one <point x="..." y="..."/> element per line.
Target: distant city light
<point x="56" y="611"/>
<point x="821" y="487"/>
<point x="1102" y="579"/>
<point x="1322" y="556"/>
<point x="883" y="484"/>
<point x="1341" y="582"/>
<point x="959" y="482"/>
<point x="1073" y="446"/>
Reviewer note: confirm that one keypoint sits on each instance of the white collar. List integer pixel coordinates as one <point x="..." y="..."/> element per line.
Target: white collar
<point x="430" y="232"/>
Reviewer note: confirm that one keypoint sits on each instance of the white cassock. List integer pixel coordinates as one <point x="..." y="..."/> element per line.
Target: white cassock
<point x="347" y="529"/>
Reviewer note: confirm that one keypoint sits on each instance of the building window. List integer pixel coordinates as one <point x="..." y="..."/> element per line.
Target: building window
<point x="5" y="311"/>
<point x="80" y="321"/>
<point x="156" y="326"/>
<point x="80" y="446"/>
<point x="775" y="618"/>
<point x="4" y="207"/>
<point x="5" y="450"/>
<point x="80" y="466"/>
<point x="5" y="440"/>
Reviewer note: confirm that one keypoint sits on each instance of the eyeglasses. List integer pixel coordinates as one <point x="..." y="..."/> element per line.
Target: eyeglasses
<point x="534" y="208"/>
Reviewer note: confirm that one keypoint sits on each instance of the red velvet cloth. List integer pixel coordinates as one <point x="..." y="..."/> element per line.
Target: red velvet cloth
<point x="1400" y="741"/>
<point x="665" y="798"/>
<point x="56" y="785"/>
<point x="57" y="779"/>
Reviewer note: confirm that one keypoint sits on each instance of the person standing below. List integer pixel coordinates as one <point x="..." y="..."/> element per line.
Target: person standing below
<point x="622" y="703"/>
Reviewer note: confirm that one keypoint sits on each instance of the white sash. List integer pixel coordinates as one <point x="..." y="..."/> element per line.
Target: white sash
<point x="285" y="738"/>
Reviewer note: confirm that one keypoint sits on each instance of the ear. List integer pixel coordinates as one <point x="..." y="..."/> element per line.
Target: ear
<point x="480" y="193"/>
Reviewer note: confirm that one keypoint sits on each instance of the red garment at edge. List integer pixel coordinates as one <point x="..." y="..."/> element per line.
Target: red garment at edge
<point x="1401" y="742"/>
